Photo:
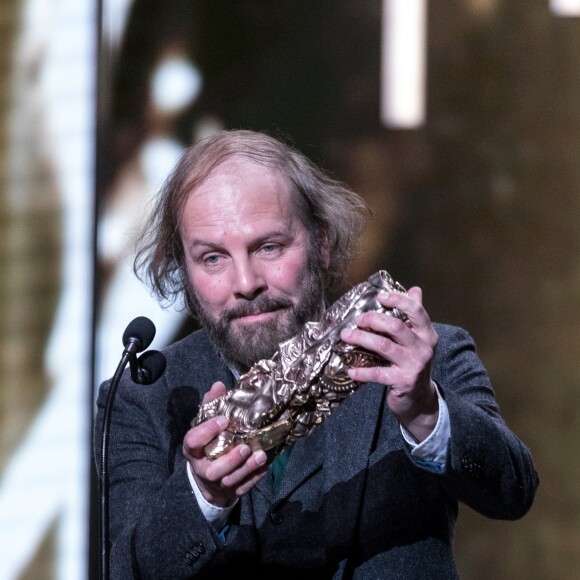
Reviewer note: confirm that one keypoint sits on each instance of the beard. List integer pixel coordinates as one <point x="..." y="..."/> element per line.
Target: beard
<point x="243" y="345"/>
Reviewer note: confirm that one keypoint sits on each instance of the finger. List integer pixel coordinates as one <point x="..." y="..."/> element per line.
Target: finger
<point x="235" y="466"/>
<point x="412" y="306"/>
<point x="246" y="486"/>
<point x="375" y="341"/>
<point x="411" y="303"/>
<point x="217" y="390"/>
<point x="416" y="293"/>
<point x="380" y="375"/>
<point x="199" y="436"/>
<point x="381" y="333"/>
<point x="384" y="324"/>
<point x="401" y="380"/>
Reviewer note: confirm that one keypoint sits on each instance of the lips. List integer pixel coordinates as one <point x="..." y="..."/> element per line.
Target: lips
<point x="259" y="308"/>
<point x="259" y="316"/>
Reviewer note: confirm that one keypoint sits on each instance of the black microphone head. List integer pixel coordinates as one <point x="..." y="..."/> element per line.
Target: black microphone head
<point x="151" y="365"/>
<point x="139" y="334"/>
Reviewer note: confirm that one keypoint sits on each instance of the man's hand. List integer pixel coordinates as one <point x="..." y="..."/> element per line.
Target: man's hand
<point x="231" y="475"/>
<point x="410" y="348"/>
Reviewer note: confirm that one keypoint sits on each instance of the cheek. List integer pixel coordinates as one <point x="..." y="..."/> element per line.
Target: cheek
<point x="290" y="275"/>
<point x="210" y="290"/>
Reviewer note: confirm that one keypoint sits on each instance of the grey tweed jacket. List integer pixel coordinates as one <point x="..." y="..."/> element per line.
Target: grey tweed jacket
<point x="353" y="502"/>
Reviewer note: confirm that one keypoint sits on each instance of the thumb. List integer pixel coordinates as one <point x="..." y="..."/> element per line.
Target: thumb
<point x="416" y="294"/>
<point x="217" y="390"/>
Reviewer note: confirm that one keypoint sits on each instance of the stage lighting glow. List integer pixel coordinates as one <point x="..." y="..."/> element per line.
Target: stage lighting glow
<point x="565" y="7"/>
<point x="403" y="75"/>
<point x="175" y="84"/>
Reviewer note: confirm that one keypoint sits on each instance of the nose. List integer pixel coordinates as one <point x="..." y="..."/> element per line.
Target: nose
<point x="249" y="279"/>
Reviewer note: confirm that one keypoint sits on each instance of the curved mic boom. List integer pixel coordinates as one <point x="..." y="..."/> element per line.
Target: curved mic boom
<point x="144" y="370"/>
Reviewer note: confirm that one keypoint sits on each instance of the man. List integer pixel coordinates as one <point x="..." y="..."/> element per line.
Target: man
<point x="254" y="235"/>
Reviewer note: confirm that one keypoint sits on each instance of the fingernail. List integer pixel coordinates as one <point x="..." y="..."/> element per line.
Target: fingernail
<point x="222" y="422"/>
<point x="245" y="451"/>
<point x="261" y="457"/>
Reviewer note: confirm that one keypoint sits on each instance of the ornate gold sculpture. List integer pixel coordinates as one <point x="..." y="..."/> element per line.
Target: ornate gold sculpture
<point x="281" y="399"/>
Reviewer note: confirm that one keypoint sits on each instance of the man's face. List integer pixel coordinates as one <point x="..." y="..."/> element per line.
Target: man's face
<point x="254" y="279"/>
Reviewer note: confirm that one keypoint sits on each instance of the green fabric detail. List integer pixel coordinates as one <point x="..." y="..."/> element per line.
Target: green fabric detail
<point x="278" y="466"/>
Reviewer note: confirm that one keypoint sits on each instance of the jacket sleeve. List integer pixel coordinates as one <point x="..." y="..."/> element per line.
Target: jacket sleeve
<point x="156" y="527"/>
<point x="487" y="466"/>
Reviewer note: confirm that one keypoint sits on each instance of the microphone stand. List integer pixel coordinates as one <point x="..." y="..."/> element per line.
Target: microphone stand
<point x="137" y="337"/>
<point x="104" y="472"/>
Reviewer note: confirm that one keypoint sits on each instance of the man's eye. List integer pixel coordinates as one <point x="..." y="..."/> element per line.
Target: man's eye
<point x="269" y="248"/>
<point x="211" y="260"/>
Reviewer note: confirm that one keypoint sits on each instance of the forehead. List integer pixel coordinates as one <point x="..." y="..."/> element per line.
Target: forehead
<point x="237" y="190"/>
<point x="242" y="180"/>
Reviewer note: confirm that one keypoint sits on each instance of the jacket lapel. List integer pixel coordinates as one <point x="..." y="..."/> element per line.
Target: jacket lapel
<point x="349" y="446"/>
<point x="307" y="458"/>
<point x="340" y="446"/>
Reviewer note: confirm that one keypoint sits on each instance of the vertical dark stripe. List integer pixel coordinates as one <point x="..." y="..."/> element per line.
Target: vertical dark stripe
<point x="99" y="86"/>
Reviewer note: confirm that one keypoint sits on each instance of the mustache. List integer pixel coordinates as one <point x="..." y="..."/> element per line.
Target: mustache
<point x="256" y="306"/>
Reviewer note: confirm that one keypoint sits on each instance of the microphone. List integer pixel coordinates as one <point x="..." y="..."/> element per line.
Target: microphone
<point x="145" y="370"/>
<point x="150" y="366"/>
<point x="138" y="335"/>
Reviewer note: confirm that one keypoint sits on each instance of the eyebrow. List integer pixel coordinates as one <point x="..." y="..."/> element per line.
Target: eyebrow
<point x="199" y="243"/>
<point x="275" y="234"/>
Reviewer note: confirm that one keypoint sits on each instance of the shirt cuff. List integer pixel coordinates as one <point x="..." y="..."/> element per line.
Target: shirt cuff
<point x="434" y="448"/>
<point x="215" y="515"/>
